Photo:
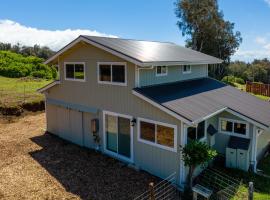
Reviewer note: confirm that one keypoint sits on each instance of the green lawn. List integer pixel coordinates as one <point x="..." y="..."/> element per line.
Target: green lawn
<point x="15" y="91"/>
<point x="261" y="184"/>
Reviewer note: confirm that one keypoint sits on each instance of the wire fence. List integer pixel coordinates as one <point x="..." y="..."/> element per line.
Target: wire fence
<point x="223" y="186"/>
<point x="164" y="190"/>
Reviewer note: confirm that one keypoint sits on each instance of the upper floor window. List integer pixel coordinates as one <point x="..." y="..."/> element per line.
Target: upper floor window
<point x="157" y="134"/>
<point x="233" y="127"/>
<point x="161" y="70"/>
<point x="198" y="133"/>
<point x="186" y="69"/>
<point x="75" y="71"/>
<point x="112" y="73"/>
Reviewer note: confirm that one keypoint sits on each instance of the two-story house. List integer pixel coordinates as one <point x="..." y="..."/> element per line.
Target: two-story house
<point x="138" y="101"/>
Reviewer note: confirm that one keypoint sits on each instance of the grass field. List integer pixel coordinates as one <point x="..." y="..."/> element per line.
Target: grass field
<point x="15" y="91"/>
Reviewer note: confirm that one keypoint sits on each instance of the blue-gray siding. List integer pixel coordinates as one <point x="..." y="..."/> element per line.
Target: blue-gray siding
<point x="175" y="73"/>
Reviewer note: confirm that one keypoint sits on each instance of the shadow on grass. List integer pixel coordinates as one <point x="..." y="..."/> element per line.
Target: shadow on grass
<point x="87" y="173"/>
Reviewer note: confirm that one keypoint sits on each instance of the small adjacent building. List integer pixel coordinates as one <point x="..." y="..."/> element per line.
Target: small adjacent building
<point x="139" y="101"/>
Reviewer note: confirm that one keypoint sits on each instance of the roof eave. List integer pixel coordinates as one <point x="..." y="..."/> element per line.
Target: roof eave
<point x="48" y="86"/>
<point x="172" y="63"/>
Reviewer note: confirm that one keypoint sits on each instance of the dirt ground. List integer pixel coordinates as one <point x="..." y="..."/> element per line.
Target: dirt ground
<point x="38" y="165"/>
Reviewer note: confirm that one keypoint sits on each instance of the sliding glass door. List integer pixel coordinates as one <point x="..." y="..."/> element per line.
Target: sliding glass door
<point x="118" y="134"/>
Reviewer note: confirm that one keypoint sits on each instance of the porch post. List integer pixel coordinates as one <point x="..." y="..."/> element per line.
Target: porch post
<point x="182" y="164"/>
<point x="254" y="148"/>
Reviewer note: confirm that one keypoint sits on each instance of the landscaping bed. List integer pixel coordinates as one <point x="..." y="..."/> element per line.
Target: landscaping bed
<point x="37" y="165"/>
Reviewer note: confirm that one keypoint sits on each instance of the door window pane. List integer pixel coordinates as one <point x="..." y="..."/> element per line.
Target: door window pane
<point x="147" y="131"/>
<point x="124" y="136"/>
<point x="200" y="130"/>
<point x="79" y="71"/>
<point x="240" y="128"/>
<point x="111" y="132"/>
<point x="226" y="126"/>
<point x="69" y="71"/>
<point x="165" y="136"/>
<point x="191" y="133"/>
<point x="118" y="73"/>
<point x="105" y="72"/>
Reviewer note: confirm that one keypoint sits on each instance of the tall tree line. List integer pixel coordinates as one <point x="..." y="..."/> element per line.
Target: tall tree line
<point x="38" y="51"/>
<point x="207" y="31"/>
<point x="257" y="70"/>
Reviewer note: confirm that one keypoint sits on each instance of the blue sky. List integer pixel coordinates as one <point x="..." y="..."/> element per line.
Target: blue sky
<point x="55" y="23"/>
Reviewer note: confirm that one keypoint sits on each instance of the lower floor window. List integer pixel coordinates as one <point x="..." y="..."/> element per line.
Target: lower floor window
<point x="198" y="133"/>
<point x="157" y="133"/>
<point x="233" y="126"/>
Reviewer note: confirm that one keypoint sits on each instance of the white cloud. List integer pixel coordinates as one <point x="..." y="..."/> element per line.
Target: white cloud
<point x="260" y="40"/>
<point x="250" y="55"/>
<point x="258" y="49"/>
<point x="267" y="1"/>
<point x="13" y="32"/>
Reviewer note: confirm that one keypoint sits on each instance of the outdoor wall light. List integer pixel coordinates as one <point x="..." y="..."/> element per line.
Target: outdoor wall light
<point x="133" y="122"/>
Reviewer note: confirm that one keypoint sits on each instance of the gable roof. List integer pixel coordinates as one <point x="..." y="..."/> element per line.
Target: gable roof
<point x="144" y="53"/>
<point x="196" y="100"/>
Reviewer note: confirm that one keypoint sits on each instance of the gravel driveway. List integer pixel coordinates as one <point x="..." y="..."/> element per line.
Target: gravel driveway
<point x="37" y="165"/>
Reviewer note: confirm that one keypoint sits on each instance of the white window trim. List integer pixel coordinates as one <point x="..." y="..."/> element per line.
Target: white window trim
<point x="74" y="79"/>
<point x="162" y="74"/>
<point x="186" y="72"/>
<point x="116" y="155"/>
<point x="110" y="82"/>
<point x="233" y="133"/>
<point x="174" y="149"/>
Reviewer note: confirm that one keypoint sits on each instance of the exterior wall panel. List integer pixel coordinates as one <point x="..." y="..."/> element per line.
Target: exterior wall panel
<point x="117" y="99"/>
<point x="174" y="73"/>
<point x="262" y="144"/>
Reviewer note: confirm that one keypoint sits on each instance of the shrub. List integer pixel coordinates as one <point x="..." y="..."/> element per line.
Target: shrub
<point x="15" y="66"/>
<point x="232" y="79"/>
<point x="34" y="106"/>
<point x="11" y="110"/>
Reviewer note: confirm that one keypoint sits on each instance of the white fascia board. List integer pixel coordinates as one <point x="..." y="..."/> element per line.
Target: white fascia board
<point x="43" y="89"/>
<point x="173" y="114"/>
<point x="210" y="115"/>
<point x="262" y="126"/>
<point x="173" y="63"/>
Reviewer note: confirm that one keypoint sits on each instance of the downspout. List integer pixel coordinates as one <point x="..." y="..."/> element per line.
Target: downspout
<point x="254" y="148"/>
<point x="183" y="142"/>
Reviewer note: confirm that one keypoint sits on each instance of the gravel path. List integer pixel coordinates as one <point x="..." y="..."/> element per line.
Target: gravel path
<point x="36" y="165"/>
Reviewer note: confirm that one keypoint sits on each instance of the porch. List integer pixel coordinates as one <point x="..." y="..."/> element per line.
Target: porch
<point x="240" y="142"/>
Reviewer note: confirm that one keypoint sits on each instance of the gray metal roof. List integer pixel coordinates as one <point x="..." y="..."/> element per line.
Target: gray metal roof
<point x="197" y="99"/>
<point x="152" y="52"/>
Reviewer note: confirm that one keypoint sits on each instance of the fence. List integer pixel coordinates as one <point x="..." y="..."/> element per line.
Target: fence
<point x="165" y="190"/>
<point x="258" y="88"/>
<point x="223" y="186"/>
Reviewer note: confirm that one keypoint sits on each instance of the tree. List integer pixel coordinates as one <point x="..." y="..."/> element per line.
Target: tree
<point x="36" y="50"/>
<point x="196" y="153"/>
<point x="207" y="31"/>
<point x="237" y="69"/>
<point x="257" y="73"/>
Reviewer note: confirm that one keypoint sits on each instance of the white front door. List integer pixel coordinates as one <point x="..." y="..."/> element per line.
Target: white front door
<point x="118" y="135"/>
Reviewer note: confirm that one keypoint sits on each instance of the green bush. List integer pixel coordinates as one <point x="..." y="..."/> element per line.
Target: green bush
<point x="15" y="66"/>
<point x="232" y="79"/>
